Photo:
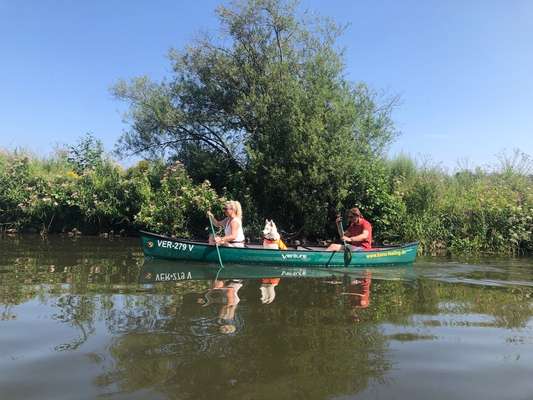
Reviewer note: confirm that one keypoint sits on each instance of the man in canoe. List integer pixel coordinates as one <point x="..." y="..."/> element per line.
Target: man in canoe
<point x="358" y="235"/>
<point x="233" y="232"/>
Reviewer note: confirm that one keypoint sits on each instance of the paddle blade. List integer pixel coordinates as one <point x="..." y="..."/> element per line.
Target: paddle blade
<point x="347" y="256"/>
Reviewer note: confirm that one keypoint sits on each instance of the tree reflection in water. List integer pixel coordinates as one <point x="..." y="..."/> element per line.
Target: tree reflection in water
<point x="307" y="349"/>
<point x="313" y="340"/>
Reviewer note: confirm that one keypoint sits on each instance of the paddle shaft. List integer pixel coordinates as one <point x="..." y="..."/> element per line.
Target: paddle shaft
<point x="341" y="232"/>
<point x="347" y="252"/>
<point x="216" y="244"/>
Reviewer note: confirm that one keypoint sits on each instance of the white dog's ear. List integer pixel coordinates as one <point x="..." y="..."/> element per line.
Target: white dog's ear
<point x="266" y="221"/>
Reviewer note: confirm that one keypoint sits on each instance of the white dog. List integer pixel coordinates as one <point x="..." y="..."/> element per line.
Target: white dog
<point x="270" y="235"/>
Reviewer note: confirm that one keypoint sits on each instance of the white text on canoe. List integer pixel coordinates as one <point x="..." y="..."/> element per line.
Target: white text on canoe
<point x="167" y="244"/>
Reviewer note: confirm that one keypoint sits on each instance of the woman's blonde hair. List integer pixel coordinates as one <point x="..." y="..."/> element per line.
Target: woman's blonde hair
<point x="235" y="205"/>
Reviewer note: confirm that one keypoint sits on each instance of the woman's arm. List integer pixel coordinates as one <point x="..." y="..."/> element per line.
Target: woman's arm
<point x="215" y="221"/>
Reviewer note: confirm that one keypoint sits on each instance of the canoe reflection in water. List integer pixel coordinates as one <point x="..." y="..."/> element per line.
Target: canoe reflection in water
<point x="225" y="293"/>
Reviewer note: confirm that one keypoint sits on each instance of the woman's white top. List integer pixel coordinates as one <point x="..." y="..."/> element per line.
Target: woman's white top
<point x="239" y="240"/>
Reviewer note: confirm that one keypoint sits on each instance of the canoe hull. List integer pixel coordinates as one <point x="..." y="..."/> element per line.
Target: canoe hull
<point x="164" y="247"/>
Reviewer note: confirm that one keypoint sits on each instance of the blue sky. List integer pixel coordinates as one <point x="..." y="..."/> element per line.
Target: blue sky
<point x="463" y="69"/>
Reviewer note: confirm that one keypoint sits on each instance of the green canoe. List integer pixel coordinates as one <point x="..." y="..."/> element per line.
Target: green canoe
<point x="163" y="247"/>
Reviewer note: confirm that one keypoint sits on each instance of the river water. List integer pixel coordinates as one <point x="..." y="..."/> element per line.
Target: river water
<point x="87" y="318"/>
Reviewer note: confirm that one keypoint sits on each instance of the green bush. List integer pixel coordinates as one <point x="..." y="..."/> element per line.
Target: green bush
<point x="178" y="206"/>
<point x="470" y="211"/>
<point x="48" y="195"/>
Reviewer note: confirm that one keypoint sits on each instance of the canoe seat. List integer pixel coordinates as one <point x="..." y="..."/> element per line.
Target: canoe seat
<point x="253" y="246"/>
<point x="313" y="248"/>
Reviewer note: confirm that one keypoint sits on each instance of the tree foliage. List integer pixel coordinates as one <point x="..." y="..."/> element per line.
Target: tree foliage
<point x="268" y="101"/>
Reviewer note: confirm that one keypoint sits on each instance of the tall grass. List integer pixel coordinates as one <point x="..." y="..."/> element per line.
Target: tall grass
<point x="482" y="210"/>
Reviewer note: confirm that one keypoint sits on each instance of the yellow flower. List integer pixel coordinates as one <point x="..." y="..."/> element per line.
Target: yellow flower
<point x="73" y="175"/>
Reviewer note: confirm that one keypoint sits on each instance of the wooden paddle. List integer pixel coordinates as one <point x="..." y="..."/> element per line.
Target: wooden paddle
<point x="216" y="244"/>
<point x="347" y="252"/>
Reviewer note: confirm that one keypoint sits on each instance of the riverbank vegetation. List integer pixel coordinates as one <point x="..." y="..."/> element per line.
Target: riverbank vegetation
<point x="476" y="211"/>
<point x="263" y="113"/>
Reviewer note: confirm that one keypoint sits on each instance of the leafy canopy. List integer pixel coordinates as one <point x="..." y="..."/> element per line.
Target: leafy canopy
<point x="266" y="101"/>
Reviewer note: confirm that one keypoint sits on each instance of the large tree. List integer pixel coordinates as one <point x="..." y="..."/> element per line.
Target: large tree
<point x="265" y="101"/>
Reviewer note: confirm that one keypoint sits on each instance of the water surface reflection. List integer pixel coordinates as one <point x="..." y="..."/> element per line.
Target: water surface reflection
<point x="89" y="318"/>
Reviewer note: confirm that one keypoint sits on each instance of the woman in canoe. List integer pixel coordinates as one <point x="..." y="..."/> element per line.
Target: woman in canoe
<point x="233" y="232"/>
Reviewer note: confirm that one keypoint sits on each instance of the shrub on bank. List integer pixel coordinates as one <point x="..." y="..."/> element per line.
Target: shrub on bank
<point x="470" y="211"/>
<point x="48" y="195"/>
<point x="176" y="205"/>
